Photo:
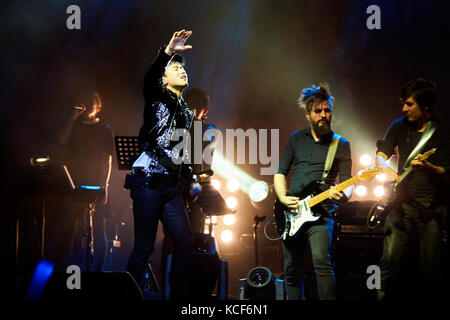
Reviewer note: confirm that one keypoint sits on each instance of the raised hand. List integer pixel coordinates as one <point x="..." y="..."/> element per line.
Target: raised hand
<point x="177" y="43"/>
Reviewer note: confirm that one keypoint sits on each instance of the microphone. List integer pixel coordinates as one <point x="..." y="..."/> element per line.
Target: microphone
<point x="79" y="108"/>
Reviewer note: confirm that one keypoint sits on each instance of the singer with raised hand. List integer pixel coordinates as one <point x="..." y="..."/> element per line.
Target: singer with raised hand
<point x="154" y="180"/>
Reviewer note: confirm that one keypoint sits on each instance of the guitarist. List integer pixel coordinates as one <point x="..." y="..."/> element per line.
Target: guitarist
<point x="413" y="227"/>
<point x="306" y="151"/>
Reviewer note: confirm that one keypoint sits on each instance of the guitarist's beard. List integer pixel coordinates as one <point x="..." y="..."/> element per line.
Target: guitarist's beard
<point x="321" y="129"/>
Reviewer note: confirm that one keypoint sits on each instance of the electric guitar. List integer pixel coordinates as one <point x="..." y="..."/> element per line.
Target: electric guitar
<point x="376" y="214"/>
<point x="290" y="221"/>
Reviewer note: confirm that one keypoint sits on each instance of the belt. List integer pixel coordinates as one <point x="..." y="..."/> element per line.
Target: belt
<point x="156" y="177"/>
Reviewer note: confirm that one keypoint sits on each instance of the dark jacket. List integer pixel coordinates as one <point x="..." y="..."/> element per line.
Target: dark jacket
<point x="164" y="113"/>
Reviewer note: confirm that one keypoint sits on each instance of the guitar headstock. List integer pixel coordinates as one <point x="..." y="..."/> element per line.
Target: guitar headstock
<point x="428" y="154"/>
<point x="370" y="173"/>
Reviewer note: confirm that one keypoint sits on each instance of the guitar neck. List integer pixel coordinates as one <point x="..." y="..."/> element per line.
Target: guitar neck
<point x="324" y="195"/>
<point x="404" y="174"/>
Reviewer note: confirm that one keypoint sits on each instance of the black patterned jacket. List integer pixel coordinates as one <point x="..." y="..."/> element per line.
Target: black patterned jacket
<point x="164" y="113"/>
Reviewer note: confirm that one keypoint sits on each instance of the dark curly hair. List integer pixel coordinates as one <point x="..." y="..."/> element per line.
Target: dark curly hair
<point x="178" y="58"/>
<point x="423" y="91"/>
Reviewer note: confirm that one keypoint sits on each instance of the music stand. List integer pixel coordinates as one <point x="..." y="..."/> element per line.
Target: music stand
<point x="127" y="149"/>
<point x="48" y="179"/>
<point x="211" y="201"/>
<point x="41" y="181"/>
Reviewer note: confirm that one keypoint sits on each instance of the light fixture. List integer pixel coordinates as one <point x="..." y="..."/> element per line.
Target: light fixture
<point x="211" y="220"/>
<point x="258" y="191"/>
<point x="260" y="284"/>
<point x="378" y="191"/>
<point x="232" y="185"/>
<point x="365" y="160"/>
<point x="39" y="161"/>
<point x="361" y="191"/>
<point x="226" y="236"/>
<point x="229" y="219"/>
<point x="231" y="202"/>
<point x="216" y="184"/>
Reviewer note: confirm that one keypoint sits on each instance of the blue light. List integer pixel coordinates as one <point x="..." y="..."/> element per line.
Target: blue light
<point x="208" y="136"/>
<point x="42" y="273"/>
<point x="91" y="187"/>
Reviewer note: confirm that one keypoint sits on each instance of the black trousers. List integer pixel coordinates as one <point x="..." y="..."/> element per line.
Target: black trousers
<point x="155" y="200"/>
<point x="319" y="236"/>
<point x="412" y="264"/>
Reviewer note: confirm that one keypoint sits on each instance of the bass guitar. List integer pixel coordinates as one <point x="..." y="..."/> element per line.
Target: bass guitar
<point x="290" y="221"/>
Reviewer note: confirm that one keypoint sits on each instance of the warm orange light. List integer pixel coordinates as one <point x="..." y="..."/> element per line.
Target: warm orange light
<point x="226" y="236"/>
<point x="229" y="219"/>
<point x="96" y="105"/>
<point x="361" y="191"/>
<point x="231" y="202"/>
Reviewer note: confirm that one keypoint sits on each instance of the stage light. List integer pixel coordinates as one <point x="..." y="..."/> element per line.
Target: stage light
<point x="365" y="160"/>
<point x="378" y="191"/>
<point x="228" y="170"/>
<point x="216" y="184"/>
<point x="259" y="191"/>
<point x="39" y="161"/>
<point x="229" y="219"/>
<point x="211" y="220"/>
<point x="381" y="177"/>
<point x="226" y="236"/>
<point x="42" y="273"/>
<point x="232" y="185"/>
<point x="231" y="202"/>
<point x="260" y="284"/>
<point x="361" y="191"/>
<point x="91" y="187"/>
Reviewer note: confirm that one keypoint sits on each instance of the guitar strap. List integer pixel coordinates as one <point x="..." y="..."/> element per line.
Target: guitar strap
<point x="330" y="156"/>
<point x="423" y="140"/>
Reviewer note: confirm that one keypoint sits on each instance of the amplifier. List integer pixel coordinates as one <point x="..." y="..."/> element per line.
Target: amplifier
<point x="359" y="230"/>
